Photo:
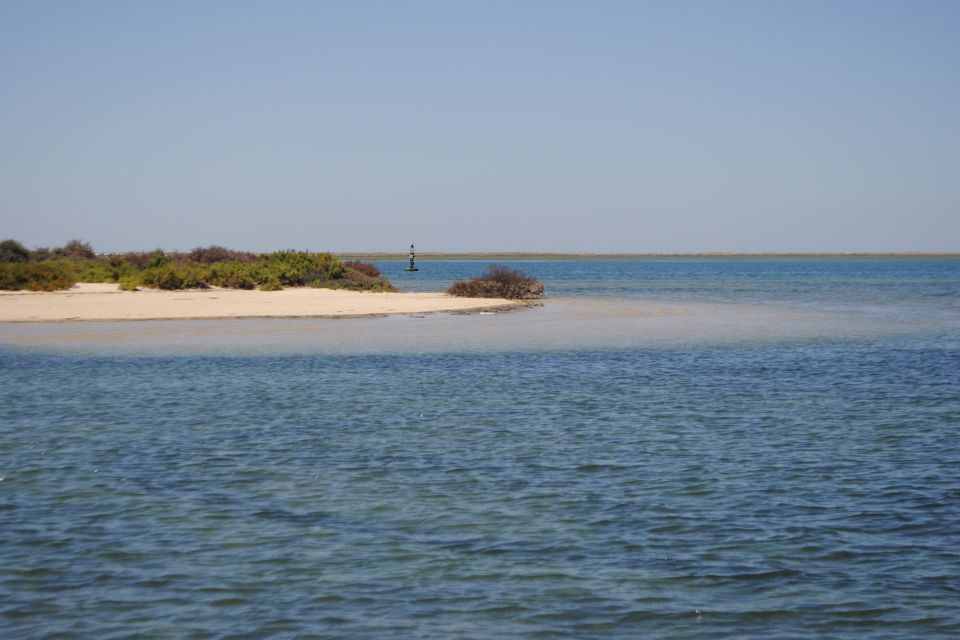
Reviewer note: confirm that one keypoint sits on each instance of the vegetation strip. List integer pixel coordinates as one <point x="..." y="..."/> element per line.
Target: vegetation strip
<point x="53" y="269"/>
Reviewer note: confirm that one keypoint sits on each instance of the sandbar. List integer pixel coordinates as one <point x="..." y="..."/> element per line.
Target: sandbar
<point x="105" y="302"/>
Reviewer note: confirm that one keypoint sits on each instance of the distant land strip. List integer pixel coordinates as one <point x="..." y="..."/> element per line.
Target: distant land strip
<point x="633" y="256"/>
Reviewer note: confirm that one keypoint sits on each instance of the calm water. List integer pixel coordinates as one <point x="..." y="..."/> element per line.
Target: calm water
<point x="666" y="449"/>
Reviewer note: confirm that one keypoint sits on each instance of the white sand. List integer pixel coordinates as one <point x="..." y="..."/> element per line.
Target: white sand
<point x="107" y="302"/>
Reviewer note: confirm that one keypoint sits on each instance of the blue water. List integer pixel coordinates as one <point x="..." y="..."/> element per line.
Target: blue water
<point x="665" y="449"/>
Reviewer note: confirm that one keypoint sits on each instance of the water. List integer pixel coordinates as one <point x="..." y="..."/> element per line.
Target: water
<point x="666" y="449"/>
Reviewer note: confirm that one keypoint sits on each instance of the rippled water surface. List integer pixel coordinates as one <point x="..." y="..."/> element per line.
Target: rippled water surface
<point x="694" y="449"/>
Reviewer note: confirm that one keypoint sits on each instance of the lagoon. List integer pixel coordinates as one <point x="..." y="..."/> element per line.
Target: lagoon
<point x="665" y="448"/>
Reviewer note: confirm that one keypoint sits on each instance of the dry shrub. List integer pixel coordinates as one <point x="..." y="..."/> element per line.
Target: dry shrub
<point x="499" y="281"/>
<point x="42" y="253"/>
<point x="216" y="253"/>
<point x="357" y="280"/>
<point x="366" y="268"/>
<point x="138" y="260"/>
<point x="75" y="250"/>
<point x="13" y="251"/>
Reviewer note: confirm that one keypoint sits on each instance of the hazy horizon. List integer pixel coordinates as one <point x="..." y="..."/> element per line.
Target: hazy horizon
<point x="609" y="127"/>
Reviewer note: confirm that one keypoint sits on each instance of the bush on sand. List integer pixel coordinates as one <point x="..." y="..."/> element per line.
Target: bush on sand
<point x="499" y="281"/>
<point x="45" y="276"/>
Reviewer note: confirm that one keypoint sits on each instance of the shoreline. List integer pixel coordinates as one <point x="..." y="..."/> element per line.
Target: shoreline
<point x="87" y="302"/>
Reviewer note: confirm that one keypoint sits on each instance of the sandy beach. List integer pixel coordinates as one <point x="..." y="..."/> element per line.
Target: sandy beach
<point x="107" y="302"/>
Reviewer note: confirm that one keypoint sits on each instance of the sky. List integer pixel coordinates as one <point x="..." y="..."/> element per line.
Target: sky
<point x="527" y="125"/>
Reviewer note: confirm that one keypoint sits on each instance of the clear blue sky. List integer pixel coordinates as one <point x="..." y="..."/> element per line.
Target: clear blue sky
<point x="524" y="125"/>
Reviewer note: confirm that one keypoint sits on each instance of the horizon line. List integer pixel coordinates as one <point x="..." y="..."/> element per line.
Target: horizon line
<point x="621" y="254"/>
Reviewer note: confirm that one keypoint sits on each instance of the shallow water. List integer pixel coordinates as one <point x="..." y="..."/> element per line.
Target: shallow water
<point x="568" y="324"/>
<point x="629" y="464"/>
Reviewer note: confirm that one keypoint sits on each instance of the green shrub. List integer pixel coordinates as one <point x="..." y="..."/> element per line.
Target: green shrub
<point x="94" y="271"/>
<point x="499" y="281"/>
<point x="210" y="266"/>
<point x="13" y="276"/>
<point x="233" y="275"/>
<point x="298" y="268"/>
<point x="172" y="276"/>
<point x="161" y="277"/>
<point x="43" y="276"/>
<point x="122" y="271"/>
<point x="156" y="259"/>
<point x="271" y="284"/>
